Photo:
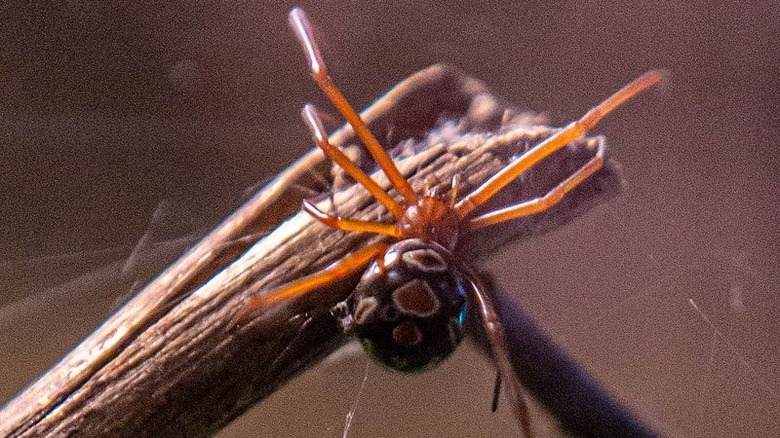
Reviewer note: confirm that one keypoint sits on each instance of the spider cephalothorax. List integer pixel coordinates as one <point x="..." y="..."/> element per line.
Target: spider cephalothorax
<point x="410" y="305"/>
<point x="434" y="219"/>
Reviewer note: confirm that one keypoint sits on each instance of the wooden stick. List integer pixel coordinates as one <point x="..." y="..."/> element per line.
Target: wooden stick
<point x="171" y="362"/>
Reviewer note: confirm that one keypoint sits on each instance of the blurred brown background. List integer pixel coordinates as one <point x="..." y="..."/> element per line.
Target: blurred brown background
<point x="107" y="109"/>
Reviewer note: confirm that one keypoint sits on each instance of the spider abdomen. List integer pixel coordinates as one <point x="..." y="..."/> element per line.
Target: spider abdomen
<point x="410" y="306"/>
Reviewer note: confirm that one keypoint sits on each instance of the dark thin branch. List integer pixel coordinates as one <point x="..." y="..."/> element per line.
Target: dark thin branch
<point x="578" y="404"/>
<point x="172" y="363"/>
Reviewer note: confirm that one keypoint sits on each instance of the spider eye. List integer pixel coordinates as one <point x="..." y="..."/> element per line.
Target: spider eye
<point x="427" y="298"/>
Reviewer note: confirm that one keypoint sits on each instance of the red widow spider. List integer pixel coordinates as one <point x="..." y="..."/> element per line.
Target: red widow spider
<point x="410" y="305"/>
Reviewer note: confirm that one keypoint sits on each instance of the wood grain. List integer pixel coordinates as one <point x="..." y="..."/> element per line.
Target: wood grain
<point x="172" y="363"/>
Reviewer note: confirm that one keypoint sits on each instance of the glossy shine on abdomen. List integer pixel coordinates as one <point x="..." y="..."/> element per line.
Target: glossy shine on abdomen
<point x="410" y="306"/>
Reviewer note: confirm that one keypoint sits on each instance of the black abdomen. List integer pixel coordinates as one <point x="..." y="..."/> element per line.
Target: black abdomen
<point x="410" y="306"/>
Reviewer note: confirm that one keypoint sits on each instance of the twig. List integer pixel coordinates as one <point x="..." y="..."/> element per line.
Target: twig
<point x="172" y="362"/>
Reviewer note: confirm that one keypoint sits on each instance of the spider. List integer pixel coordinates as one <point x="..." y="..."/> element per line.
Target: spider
<point x="410" y="305"/>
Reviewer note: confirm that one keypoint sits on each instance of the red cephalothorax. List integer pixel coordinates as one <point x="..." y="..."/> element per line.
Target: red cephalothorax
<point x="433" y="219"/>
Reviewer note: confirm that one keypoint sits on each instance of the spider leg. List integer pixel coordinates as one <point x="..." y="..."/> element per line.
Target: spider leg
<point x="555" y="142"/>
<point x="496" y="392"/>
<point x="337" y="271"/>
<point x="309" y="115"/>
<point x="303" y="31"/>
<point x="454" y="187"/>
<point x="491" y="323"/>
<point x="351" y="224"/>
<point x="542" y="203"/>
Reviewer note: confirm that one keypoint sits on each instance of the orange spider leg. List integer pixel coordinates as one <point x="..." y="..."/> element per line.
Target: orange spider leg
<point x="337" y="271"/>
<point x="302" y="28"/>
<point x="542" y="203"/>
<point x="555" y="142"/>
<point x="309" y="114"/>
<point x="351" y="224"/>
